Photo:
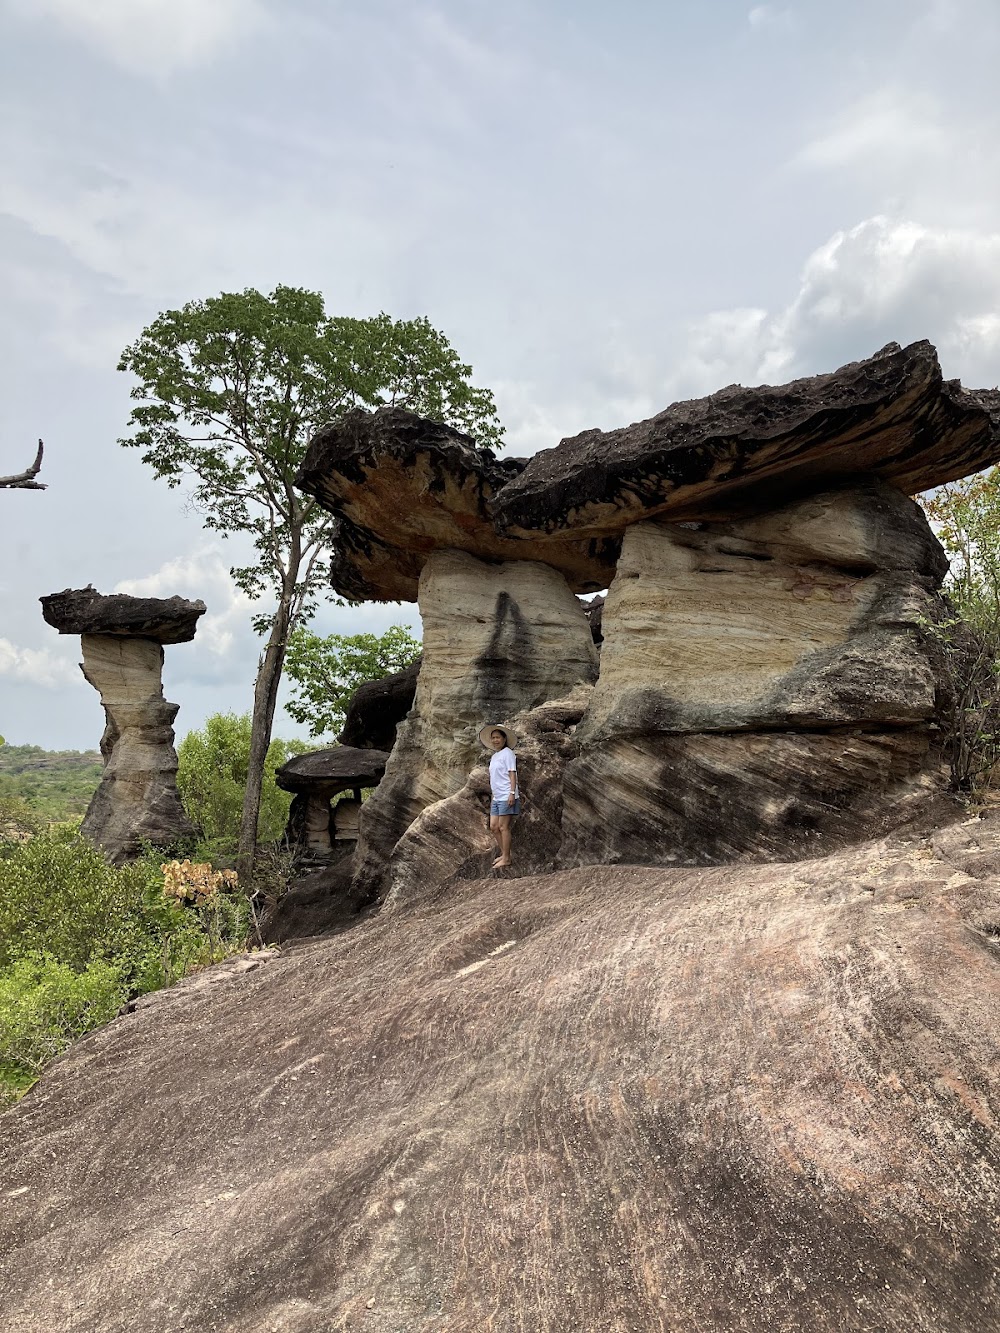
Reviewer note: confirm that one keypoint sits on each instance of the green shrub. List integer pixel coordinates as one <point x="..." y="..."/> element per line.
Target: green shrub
<point x="44" y="1006"/>
<point x="212" y="777"/>
<point x="79" y="936"/>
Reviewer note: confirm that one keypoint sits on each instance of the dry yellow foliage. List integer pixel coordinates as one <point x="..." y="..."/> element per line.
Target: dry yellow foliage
<point x="194" y="881"/>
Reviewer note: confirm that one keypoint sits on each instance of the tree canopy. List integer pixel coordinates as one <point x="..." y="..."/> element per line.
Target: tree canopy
<point x="325" y="672"/>
<point x="230" y="390"/>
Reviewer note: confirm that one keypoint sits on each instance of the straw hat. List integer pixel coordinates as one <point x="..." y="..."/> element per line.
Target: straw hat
<point x="484" y="735"/>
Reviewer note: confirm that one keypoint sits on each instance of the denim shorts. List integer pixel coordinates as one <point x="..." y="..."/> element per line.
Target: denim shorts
<point x="502" y="808"/>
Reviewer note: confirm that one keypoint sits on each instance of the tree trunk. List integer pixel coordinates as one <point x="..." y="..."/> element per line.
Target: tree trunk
<point x="265" y="698"/>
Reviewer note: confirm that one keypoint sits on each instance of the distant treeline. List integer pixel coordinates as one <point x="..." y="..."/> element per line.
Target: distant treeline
<point x="57" y="784"/>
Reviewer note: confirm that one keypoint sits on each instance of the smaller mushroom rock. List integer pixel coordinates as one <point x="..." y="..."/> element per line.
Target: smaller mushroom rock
<point x="403" y="487"/>
<point x="893" y="415"/>
<point x="377" y="707"/>
<point x="315" y="778"/>
<point x="122" y="638"/>
<point x="86" y="611"/>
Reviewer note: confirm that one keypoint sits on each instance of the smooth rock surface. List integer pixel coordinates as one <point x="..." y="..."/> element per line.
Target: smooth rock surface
<point x="137" y="801"/>
<point x="892" y="415"/>
<point x="403" y="487"/>
<point x="756" y="1098"/>
<point x="498" y="639"/>
<point x="806" y="616"/>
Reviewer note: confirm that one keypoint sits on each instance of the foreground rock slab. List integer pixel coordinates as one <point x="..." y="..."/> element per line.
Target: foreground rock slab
<point x="758" y="1098"/>
<point x="122" y="638"/>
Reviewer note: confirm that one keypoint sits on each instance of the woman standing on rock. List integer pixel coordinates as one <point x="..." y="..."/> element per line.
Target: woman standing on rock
<point x="505" y="800"/>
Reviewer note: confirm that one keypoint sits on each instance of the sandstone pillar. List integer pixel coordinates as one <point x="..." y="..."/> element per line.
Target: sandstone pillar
<point x="499" y="638"/>
<point x="122" y="638"/>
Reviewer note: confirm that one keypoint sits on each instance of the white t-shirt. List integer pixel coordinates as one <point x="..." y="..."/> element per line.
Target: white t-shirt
<point x="502" y="765"/>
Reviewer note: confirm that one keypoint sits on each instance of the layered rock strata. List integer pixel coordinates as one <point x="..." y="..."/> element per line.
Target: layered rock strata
<point x="499" y="639"/>
<point x="764" y="683"/>
<point x="122" y="638"/>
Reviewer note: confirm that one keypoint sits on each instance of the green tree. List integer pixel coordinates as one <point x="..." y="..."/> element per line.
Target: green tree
<point x="212" y="777"/>
<point x="966" y="518"/>
<point x="230" y="391"/>
<point x="326" y="672"/>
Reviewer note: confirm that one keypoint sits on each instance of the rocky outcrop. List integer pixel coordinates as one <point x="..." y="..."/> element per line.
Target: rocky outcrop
<point x="403" y="487"/>
<point x="753" y="1097"/>
<point x="122" y="639"/>
<point x="764" y="684"/>
<point x="892" y="416"/>
<point x="162" y="620"/>
<point x="765" y="687"/>
<point x="498" y="639"/>
<point x="377" y="707"/>
<point x="314" y="826"/>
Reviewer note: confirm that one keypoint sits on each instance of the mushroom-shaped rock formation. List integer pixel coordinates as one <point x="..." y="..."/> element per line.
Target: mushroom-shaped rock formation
<point x="403" y="487"/>
<point x="765" y="681"/>
<point x="892" y="415"/>
<point x="377" y="707"/>
<point x="122" y="639"/>
<point x="315" y="778"/>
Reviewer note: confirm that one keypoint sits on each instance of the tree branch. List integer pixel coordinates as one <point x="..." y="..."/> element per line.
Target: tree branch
<point x="25" y="480"/>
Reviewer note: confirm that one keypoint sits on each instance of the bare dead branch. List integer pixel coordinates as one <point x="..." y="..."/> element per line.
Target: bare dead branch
<point x="25" y="480"/>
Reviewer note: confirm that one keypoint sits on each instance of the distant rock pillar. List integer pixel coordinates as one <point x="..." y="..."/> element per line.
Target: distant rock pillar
<point x="122" y="638"/>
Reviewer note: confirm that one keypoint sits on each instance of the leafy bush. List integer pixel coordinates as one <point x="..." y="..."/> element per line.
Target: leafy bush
<point x="326" y="672"/>
<point x="44" y="1006"/>
<point x="79" y="936"/>
<point x="212" y="777"/>
<point x="966" y="517"/>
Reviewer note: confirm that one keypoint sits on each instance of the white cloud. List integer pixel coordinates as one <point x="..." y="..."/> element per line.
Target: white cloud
<point x="48" y="668"/>
<point x="769" y="16"/>
<point x="153" y="37"/>
<point x="203" y="575"/>
<point x="889" y="123"/>
<point x="881" y="281"/>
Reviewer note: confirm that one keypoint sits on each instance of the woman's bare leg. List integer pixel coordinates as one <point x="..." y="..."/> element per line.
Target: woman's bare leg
<point x="504" y="840"/>
<point x="495" y="832"/>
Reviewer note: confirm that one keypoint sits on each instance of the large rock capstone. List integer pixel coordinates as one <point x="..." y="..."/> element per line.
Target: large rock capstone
<point x="122" y="637"/>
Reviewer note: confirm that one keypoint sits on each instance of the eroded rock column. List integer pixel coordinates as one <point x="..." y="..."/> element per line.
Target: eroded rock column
<point x="122" y="639"/>
<point x="499" y="638"/>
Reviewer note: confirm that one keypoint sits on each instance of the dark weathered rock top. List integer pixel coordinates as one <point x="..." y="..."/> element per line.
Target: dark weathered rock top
<point x="86" y="611"/>
<point x="402" y="486"/>
<point x="335" y="769"/>
<point x="892" y="415"/>
<point x="377" y="707"/>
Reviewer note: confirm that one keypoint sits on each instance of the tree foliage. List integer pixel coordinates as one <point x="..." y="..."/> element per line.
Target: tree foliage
<point x="229" y="392"/>
<point x="966" y="517"/>
<point x="326" y="671"/>
<point x="212" y="777"/>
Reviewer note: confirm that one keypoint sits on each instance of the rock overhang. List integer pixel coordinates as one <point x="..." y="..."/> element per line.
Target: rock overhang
<point x="401" y="486"/>
<point x="335" y="769"/>
<point x="164" y="620"/>
<point x="893" y="416"/>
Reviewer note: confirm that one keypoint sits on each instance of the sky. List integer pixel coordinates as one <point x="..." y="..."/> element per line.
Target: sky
<point x="604" y="208"/>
